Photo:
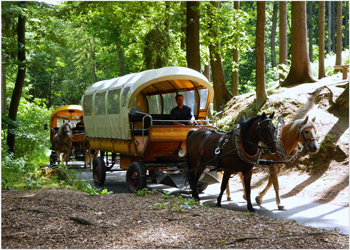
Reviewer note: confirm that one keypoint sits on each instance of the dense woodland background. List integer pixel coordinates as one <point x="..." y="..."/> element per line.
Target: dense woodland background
<point x="52" y="53"/>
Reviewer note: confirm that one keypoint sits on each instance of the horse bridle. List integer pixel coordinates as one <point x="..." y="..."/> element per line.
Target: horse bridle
<point x="305" y="140"/>
<point x="270" y="126"/>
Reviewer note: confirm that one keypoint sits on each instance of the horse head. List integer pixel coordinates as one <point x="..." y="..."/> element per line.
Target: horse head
<point x="307" y="135"/>
<point x="266" y="132"/>
<point x="65" y="130"/>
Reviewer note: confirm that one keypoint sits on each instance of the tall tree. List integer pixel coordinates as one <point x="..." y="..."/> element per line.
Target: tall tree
<point x="334" y="19"/>
<point x="235" y="58"/>
<point x="283" y="37"/>
<point x="300" y="71"/>
<point x="329" y="48"/>
<point x="321" y="70"/>
<point x="222" y="95"/>
<point x="21" y="72"/>
<point x="273" y="34"/>
<point x="260" y="56"/>
<point x="192" y="36"/>
<point x="346" y="21"/>
<point x="310" y="29"/>
<point x="339" y="33"/>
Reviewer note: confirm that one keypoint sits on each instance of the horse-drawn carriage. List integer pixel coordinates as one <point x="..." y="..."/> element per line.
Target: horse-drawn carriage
<point x="64" y="137"/>
<point x="128" y="120"/>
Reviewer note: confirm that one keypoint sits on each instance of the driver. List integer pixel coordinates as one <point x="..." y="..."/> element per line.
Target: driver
<point x="181" y="112"/>
<point x="80" y="125"/>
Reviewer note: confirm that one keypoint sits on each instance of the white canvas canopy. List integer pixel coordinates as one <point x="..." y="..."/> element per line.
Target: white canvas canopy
<point x="106" y="104"/>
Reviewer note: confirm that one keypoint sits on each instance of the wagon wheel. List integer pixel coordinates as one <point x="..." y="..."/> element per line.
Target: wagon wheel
<point x="99" y="171"/>
<point x="136" y="178"/>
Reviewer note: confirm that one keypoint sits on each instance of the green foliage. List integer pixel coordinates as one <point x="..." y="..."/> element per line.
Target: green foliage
<point x="179" y="202"/>
<point x="157" y="46"/>
<point x="143" y="192"/>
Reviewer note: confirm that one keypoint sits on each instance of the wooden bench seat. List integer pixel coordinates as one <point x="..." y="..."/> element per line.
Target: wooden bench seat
<point x="344" y="68"/>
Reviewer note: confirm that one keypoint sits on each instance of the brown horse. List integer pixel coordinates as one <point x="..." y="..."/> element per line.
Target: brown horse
<point x="234" y="151"/>
<point x="62" y="142"/>
<point x="288" y="136"/>
<point x="89" y="154"/>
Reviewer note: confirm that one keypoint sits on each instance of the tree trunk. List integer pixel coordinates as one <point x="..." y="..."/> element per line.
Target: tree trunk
<point x="166" y="21"/>
<point x="273" y="34"/>
<point x="192" y="36"/>
<point x="283" y="37"/>
<point x="3" y="85"/>
<point x="346" y="32"/>
<point x="300" y="71"/>
<point x="121" y="61"/>
<point x="235" y="62"/>
<point x="329" y="27"/>
<point x="21" y="72"/>
<point x="310" y="30"/>
<point x="334" y="18"/>
<point x="339" y="33"/>
<point x="260" y="56"/>
<point x="222" y="95"/>
<point x="321" y="70"/>
<point x="207" y="71"/>
<point x="183" y="27"/>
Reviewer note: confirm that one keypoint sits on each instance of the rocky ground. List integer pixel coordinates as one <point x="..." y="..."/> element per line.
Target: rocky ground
<point x="61" y="218"/>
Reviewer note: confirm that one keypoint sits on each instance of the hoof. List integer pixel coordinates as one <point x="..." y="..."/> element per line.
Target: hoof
<point x="257" y="199"/>
<point x="229" y="199"/>
<point x="280" y="207"/>
<point x="252" y="210"/>
<point x="218" y="205"/>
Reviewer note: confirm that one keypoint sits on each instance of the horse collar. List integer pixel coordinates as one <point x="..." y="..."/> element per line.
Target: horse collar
<point x="241" y="152"/>
<point x="280" y="143"/>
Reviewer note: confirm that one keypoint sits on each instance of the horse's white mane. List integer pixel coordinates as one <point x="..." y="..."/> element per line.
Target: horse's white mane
<point x="297" y="123"/>
<point x="62" y="126"/>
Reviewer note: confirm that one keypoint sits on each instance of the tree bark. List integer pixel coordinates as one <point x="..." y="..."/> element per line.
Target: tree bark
<point x="121" y="61"/>
<point x="207" y="71"/>
<point x="21" y="72"/>
<point x="334" y="18"/>
<point x="310" y="30"/>
<point x="222" y="95"/>
<point x="260" y="56"/>
<point x="346" y="31"/>
<point x="235" y="61"/>
<point x="329" y="27"/>
<point x="273" y="34"/>
<point x="3" y="85"/>
<point x="192" y="36"/>
<point x="321" y="70"/>
<point x="283" y="37"/>
<point x="339" y="33"/>
<point x="300" y="71"/>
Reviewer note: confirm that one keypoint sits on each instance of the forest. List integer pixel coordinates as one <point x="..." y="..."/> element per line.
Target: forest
<point x="51" y="53"/>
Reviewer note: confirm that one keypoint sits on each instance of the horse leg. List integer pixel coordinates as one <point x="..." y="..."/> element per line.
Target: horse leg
<point x="274" y="178"/>
<point x="224" y="184"/>
<point x="242" y="181"/>
<point x="259" y="198"/>
<point x="247" y="180"/>
<point x="228" y="192"/>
